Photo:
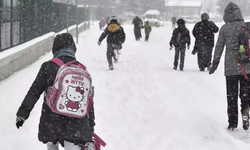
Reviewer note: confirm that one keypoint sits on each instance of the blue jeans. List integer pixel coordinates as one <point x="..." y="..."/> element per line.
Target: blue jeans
<point x="179" y="50"/>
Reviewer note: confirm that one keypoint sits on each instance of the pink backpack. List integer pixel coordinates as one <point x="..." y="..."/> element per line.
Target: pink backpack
<point x="70" y="94"/>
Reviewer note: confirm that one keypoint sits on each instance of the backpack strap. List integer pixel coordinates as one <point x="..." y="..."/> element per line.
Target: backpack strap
<point x="242" y="70"/>
<point x="57" y="61"/>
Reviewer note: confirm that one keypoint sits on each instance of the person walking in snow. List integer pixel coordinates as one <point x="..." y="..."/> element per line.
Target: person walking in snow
<point x="137" y="28"/>
<point x="148" y="29"/>
<point x="116" y="37"/>
<point x="173" y="20"/>
<point x="102" y="23"/>
<point x="204" y="41"/>
<point x="236" y="84"/>
<point x="180" y="39"/>
<point x="56" y="128"/>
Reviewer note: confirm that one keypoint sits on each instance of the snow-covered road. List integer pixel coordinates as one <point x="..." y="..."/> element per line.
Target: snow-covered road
<point x="142" y="105"/>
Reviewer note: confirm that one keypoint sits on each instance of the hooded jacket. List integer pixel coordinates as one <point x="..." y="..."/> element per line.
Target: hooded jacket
<point x="229" y="36"/>
<point x="184" y="36"/>
<point x="115" y="33"/>
<point x="54" y="127"/>
<point x="148" y="28"/>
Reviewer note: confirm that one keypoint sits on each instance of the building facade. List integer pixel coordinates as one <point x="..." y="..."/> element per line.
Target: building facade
<point x="183" y="8"/>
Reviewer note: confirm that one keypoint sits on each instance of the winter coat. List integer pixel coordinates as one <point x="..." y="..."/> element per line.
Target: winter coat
<point x="137" y="22"/>
<point x="147" y="28"/>
<point x="180" y="37"/>
<point x="137" y="26"/>
<point x="102" y="22"/>
<point x="115" y="33"/>
<point x="229" y="36"/>
<point x="204" y="33"/>
<point x="54" y="127"/>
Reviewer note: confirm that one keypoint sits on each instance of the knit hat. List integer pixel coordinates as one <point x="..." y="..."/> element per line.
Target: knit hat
<point x="180" y="22"/>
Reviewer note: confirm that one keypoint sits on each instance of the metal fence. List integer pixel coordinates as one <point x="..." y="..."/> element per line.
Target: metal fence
<point x="23" y="20"/>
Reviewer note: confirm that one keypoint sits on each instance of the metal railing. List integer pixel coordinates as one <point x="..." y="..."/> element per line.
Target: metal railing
<point x="24" y="20"/>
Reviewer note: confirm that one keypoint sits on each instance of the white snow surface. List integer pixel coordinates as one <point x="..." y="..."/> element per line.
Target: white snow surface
<point x="142" y="105"/>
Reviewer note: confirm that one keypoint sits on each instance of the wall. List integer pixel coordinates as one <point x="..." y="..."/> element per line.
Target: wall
<point x="19" y="57"/>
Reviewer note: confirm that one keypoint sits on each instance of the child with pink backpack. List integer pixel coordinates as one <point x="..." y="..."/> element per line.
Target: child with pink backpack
<point x="68" y="111"/>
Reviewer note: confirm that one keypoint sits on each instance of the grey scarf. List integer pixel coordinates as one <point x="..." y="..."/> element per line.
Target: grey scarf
<point x="65" y="52"/>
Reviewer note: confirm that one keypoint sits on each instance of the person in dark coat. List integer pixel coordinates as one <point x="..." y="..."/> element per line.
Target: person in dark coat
<point x="204" y="41"/>
<point x="148" y="29"/>
<point x="53" y="127"/>
<point x="102" y="23"/>
<point x="116" y="37"/>
<point x="180" y="39"/>
<point x="173" y="20"/>
<point x="236" y="84"/>
<point x="137" y="27"/>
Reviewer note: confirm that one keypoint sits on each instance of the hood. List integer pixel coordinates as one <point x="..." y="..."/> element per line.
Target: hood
<point x="232" y="13"/>
<point x="204" y="16"/>
<point x="180" y="22"/>
<point x="62" y="41"/>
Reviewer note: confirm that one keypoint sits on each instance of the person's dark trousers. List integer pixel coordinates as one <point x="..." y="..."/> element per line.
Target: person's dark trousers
<point x="204" y="57"/>
<point x="146" y="37"/>
<point x="232" y="84"/>
<point x="110" y="54"/>
<point x="179" y="51"/>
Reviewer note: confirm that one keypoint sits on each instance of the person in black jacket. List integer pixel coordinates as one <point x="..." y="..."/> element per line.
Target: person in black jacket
<point x="137" y="27"/>
<point x="179" y="40"/>
<point x="116" y="37"/>
<point x="204" y="41"/>
<point x="55" y="128"/>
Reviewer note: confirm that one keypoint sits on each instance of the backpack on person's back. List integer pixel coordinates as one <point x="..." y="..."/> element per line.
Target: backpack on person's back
<point x="244" y="47"/>
<point x="71" y="93"/>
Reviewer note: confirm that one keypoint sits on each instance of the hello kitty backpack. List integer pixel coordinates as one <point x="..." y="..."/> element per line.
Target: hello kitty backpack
<point x="70" y="94"/>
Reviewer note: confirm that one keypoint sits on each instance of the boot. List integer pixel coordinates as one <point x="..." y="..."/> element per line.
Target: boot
<point x="245" y="118"/>
<point x="111" y="67"/>
<point x="231" y="127"/>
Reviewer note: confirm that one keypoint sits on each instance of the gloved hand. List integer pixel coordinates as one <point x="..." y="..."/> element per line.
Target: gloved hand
<point x="171" y="47"/>
<point x="19" y="121"/>
<point x="89" y="146"/>
<point x="99" y="43"/>
<point x="213" y="67"/>
<point x="195" y="50"/>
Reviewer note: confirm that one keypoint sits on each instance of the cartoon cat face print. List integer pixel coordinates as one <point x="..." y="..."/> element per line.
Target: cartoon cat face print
<point x="75" y="94"/>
